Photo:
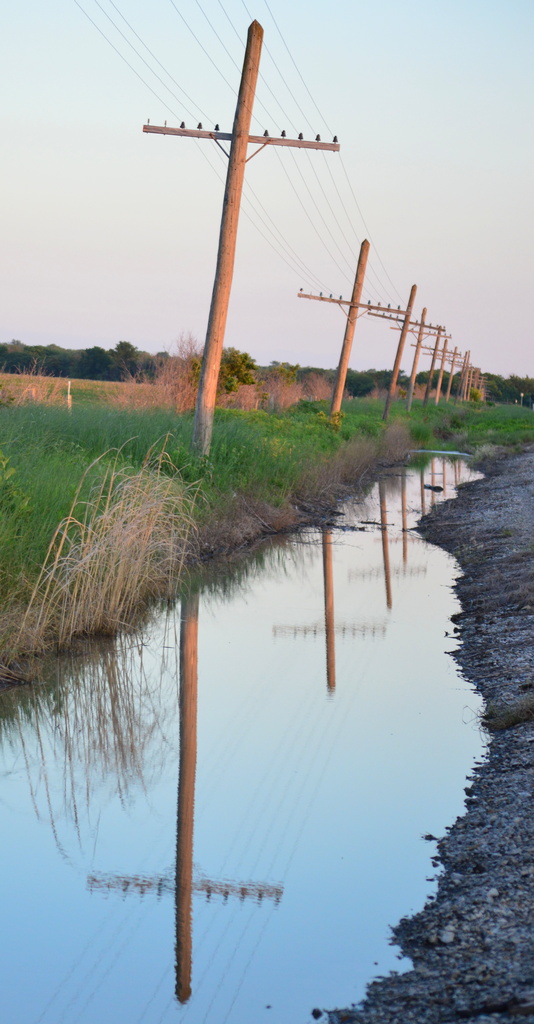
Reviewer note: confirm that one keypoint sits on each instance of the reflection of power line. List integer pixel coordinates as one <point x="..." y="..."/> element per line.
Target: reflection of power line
<point x="360" y="575"/>
<point x="159" y="885"/>
<point x="317" y="630"/>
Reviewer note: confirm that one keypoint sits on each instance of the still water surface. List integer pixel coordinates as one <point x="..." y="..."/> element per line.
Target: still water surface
<point x="221" y="822"/>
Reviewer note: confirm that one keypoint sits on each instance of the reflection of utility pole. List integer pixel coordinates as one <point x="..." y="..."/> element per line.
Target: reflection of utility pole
<point x="385" y="544"/>
<point x="182" y="882"/>
<point x="329" y="622"/>
<point x="423" y="503"/>
<point x="186" y="794"/>
<point x="404" y="517"/>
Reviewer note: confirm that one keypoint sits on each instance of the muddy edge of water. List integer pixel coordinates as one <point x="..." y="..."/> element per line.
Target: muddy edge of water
<point x="473" y="946"/>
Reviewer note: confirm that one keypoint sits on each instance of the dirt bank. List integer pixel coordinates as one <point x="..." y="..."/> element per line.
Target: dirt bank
<point x="472" y="946"/>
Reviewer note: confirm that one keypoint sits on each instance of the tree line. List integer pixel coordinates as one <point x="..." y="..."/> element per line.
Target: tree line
<point x="125" y="361"/>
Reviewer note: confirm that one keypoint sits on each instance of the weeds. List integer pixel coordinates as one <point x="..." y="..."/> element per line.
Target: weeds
<point x="506" y="716"/>
<point x="108" y="557"/>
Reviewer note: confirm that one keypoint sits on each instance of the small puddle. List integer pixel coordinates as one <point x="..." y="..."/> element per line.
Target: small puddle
<point x="221" y="823"/>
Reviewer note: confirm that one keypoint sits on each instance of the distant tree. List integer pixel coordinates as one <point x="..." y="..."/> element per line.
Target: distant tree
<point x="237" y="368"/>
<point x="125" y="356"/>
<point x="96" y="363"/>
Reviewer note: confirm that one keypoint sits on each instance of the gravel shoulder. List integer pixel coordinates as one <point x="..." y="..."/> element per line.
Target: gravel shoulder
<point x="472" y="946"/>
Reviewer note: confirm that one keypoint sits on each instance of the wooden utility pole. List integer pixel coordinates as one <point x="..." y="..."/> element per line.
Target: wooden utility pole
<point x="420" y="336"/>
<point x="239" y="140"/>
<point x="352" y="315"/>
<point x="459" y="390"/>
<point x="211" y="360"/>
<point x="398" y="357"/>
<point x="451" y="374"/>
<point x="433" y="363"/>
<point x="442" y="367"/>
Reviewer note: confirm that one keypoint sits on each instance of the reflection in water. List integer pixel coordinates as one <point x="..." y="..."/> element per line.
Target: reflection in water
<point x="102" y="739"/>
<point x="329" y="624"/>
<point x="385" y="541"/>
<point x="186" y="793"/>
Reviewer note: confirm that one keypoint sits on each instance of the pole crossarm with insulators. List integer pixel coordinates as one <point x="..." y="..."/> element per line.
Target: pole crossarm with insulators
<point x="239" y="139"/>
<point x="258" y="140"/>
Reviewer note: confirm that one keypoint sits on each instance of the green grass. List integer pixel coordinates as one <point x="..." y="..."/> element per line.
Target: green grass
<point x="262" y="455"/>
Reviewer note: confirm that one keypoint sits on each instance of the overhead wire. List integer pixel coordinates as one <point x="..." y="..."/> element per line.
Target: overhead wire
<point x="291" y="258"/>
<point x="375" y="250"/>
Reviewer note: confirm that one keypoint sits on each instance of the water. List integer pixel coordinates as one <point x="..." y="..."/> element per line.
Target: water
<point x="242" y="861"/>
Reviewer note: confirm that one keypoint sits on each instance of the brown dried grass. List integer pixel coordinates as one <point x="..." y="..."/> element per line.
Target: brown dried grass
<point x="109" y="557"/>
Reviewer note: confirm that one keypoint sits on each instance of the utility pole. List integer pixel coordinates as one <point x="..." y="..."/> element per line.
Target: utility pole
<point x="451" y="374"/>
<point x="409" y="396"/>
<point x="352" y="314"/>
<point x="398" y="357"/>
<point x="433" y="363"/>
<point x="211" y="359"/>
<point x="442" y="367"/>
<point x="460" y="387"/>
<point x="237" y="158"/>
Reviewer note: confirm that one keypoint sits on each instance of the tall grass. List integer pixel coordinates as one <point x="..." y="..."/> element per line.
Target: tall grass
<point x="108" y="557"/>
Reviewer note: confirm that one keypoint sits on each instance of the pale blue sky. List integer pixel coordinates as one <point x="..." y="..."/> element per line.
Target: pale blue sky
<point x="110" y="234"/>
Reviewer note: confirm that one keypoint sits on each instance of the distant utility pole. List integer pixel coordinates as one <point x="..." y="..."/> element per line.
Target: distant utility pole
<point x="451" y="374"/>
<point x="352" y="315"/>
<point x="432" y="365"/>
<point x="400" y="350"/>
<point x="441" y="369"/>
<point x="420" y="336"/>
<point x="237" y="158"/>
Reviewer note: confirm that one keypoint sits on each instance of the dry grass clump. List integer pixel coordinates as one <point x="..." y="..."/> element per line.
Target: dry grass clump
<point x="243" y="520"/>
<point x="32" y="387"/>
<point x="173" y="386"/>
<point x="109" y="557"/>
<point x="396" y="442"/>
<point x="505" y="716"/>
<point x="346" y="468"/>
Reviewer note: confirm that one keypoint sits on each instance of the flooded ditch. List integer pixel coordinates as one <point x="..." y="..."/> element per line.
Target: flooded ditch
<point x="220" y="821"/>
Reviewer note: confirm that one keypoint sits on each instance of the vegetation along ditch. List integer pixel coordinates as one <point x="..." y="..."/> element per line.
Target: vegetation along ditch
<point x="102" y="506"/>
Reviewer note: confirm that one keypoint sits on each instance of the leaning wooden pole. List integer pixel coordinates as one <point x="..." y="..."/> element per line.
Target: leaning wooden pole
<point x="441" y="369"/>
<point x="400" y="350"/>
<point x="460" y="387"/>
<point x="211" y="360"/>
<point x="451" y="374"/>
<point x="352" y="315"/>
<point x="411" y="386"/>
<point x="432" y="365"/>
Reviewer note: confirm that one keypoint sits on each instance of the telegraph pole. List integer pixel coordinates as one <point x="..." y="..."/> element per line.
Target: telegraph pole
<point x="433" y="363"/>
<point x="237" y="158"/>
<point x="400" y="349"/>
<point x="451" y="374"/>
<point x="409" y="396"/>
<point x="352" y="315"/>
<point x="460" y="387"/>
<point x="211" y="360"/>
<point x="442" y="367"/>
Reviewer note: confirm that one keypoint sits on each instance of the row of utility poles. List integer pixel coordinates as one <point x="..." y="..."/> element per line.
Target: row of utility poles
<point x="239" y="139"/>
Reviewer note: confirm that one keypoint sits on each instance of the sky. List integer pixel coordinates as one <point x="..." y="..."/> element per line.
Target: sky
<point x="110" y="234"/>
